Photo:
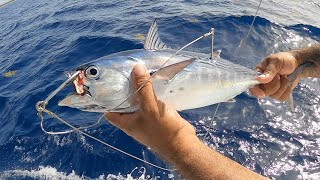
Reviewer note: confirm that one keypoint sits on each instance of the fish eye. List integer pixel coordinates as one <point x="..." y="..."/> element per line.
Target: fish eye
<point x="92" y="72"/>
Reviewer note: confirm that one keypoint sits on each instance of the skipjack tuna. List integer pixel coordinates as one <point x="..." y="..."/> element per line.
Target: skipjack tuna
<point x="189" y="80"/>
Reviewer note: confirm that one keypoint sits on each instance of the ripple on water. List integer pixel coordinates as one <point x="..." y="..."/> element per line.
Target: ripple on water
<point x="42" y="39"/>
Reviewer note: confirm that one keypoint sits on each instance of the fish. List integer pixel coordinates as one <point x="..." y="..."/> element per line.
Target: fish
<point x="189" y="80"/>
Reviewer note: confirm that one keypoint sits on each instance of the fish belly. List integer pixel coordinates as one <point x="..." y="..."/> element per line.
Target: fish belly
<point x="203" y="84"/>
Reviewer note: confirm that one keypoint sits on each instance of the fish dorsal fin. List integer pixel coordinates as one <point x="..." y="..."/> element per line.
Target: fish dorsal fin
<point x="167" y="73"/>
<point x="153" y="41"/>
<point x="216" y="54"/>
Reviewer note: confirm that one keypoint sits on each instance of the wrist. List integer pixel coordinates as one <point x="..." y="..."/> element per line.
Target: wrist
<point x="182" y="147"/>
<point x="297" y="57"/>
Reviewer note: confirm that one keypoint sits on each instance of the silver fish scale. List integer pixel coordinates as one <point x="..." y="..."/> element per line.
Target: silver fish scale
<point x="206" y="82"/>
<point x="189" y="80"/>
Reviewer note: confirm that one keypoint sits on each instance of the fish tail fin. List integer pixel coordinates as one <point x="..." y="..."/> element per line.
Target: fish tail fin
<point x="290" y="102"/>
<point x="293" y="77"/>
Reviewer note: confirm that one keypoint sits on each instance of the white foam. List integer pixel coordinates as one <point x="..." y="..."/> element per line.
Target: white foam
<point x="48" y="172"/>
<point x="41" y="173"/>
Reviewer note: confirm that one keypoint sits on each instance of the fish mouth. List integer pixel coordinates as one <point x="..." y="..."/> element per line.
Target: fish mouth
<point x="78" y="84"/>
<point x="81" y="96"/>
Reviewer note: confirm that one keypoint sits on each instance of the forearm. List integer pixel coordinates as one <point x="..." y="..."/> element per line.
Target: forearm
<point x="309" y="54"/>
<point x="195" y="160"/>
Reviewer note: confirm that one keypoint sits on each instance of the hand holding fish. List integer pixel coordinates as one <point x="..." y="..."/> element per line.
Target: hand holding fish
<point x="155" y="124"/>
<point x="161" y="128"/>
<point x="276" y="68"/>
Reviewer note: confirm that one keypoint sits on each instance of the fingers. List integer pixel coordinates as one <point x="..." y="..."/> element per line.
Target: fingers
<point x="270" y="67"/>
<point x="256" y="91"/>
<point x="274" y="82"/>
<point x="285" y="95"/>
<point x="278" y="88"/>
<point x="271" y="87"/>
<point x="141" y="79"/>
<point x="284" y="86"/>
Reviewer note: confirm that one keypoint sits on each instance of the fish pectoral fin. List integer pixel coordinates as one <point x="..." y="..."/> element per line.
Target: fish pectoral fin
<point x="153" y="41"/>
<point x="168" y="72"/>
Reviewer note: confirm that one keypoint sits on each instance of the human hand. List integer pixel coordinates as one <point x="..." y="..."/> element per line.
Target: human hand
<point x="274" y="80"/>
<point x="161" y="128"/>
<point x="155" y="124"/>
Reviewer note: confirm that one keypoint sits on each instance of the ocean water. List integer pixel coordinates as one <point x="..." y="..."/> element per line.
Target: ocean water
<point x="40" y="40"/>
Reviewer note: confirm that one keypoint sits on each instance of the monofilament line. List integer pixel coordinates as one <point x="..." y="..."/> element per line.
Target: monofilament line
<point x="100" y="141"/>
<point x="42" y="104"/>
<point x="237" y="56"/>
<point x="211" y="122"/>
<point x="244" y="39"/>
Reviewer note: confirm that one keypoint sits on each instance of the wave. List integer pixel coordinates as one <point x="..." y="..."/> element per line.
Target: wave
<point x="42" y="39"/>
<point x="48" y="172"/>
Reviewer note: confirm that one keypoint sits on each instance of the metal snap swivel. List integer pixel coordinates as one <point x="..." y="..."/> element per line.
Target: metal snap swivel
<point x="40" y="106"/>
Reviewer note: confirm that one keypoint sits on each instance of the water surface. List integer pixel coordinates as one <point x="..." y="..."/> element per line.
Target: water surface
<point x="40" y="40"/>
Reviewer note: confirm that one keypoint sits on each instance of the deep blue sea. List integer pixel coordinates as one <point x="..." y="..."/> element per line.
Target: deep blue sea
<point x="41" y="39"/>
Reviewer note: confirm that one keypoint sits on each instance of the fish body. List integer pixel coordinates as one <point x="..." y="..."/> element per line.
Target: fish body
<point x="188" y="80"/>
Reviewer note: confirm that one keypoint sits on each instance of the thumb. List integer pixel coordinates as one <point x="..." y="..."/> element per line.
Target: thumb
<point x="114" y="118"/>
<point x="121" y="121"/>
<point x="142" y="83"/>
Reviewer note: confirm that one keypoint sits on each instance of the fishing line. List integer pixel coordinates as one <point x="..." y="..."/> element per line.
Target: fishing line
<point x="68" y="131"/>
<point x="41" y="107"/>
<point x="161" y="67"/>
<point x="211" y="122"/>
<point x="100" y="141"/>
<point x="242" y="42"/>
<point x="42" y="104"/>
<point x="244" y="39"/>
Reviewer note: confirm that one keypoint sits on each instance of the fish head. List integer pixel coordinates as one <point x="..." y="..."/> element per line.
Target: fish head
<point x="100" y="86"/>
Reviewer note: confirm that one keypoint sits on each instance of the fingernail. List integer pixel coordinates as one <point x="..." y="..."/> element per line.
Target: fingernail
<point x="139" y="70"/>
<point x="262" y="76"/>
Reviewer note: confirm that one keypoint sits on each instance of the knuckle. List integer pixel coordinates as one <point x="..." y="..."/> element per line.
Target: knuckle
<point x="141" y="80"/>
<point x="143" y="83"/>
<point x="283" y="98"/>
<point x="272" y="87"/>
<point x="253" y="92"/>
<point x="285" y="95"/>
<point x="254" y="89"/>
<point x="273" y="57"/>
<point x="275" y="96"/>
<point x="151" y="111"/>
